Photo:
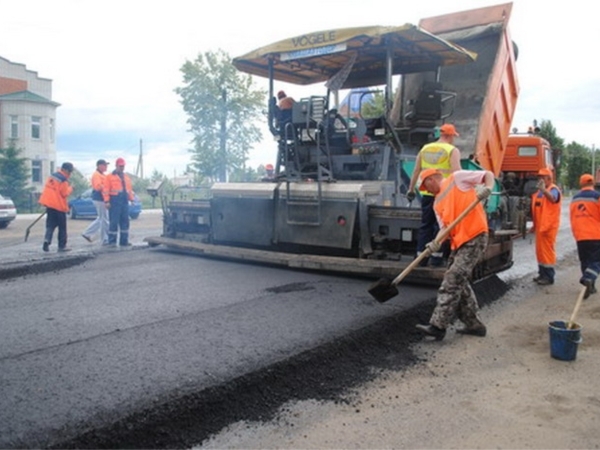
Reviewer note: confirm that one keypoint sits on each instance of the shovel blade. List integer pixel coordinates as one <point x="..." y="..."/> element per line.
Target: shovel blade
<point x="383" y="290"/>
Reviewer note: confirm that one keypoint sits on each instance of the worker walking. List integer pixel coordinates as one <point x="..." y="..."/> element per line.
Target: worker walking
<point x="585" y="225"/>
<point x="545" y="211"/>
<point x="54" y="198"/>
<point x="441" y="155"/>
<point x="117" y="193"/>
<point x="101" y="222"/>
<point x="468" y="241"/>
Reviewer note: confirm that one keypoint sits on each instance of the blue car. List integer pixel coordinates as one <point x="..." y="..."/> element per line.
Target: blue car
<point x="83" y="207"/>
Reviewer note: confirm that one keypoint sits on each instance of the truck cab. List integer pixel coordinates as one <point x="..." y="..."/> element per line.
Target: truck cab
<point x="525" y="155"/>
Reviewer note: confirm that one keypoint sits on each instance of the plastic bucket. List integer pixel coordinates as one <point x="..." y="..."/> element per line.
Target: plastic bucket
<point x="563" y="341"/>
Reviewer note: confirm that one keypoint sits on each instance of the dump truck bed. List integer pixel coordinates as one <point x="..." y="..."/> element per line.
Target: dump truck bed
<point x="487" y="90"/>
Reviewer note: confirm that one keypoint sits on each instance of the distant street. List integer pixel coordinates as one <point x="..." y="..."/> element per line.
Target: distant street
<point x="12" y="237"/>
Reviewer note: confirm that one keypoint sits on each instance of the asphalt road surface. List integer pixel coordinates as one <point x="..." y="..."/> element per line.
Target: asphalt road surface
<point x="142" y="348"/>
<point x="129" y="336"/>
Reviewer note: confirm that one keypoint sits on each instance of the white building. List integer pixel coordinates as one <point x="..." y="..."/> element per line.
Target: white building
<point x="28" y="119"/>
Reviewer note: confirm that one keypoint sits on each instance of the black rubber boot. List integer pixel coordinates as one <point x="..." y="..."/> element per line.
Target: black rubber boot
<point x="432" y="330"/>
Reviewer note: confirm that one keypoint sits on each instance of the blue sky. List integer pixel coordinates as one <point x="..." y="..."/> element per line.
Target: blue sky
<point x="115" y="64"/>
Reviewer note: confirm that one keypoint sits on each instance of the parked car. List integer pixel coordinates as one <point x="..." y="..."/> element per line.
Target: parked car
<point x="8" y="212"/>
<point x="83" y="207"/>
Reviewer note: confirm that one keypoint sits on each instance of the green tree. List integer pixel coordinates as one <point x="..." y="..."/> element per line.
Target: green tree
<point x="222" y="106"/>
<point x="79" y="183"/>
<point x="245" y="174"/>
<point x="139" y="185"/>
<point x="375" y="107"/>
<point x="577" y="160"/>
<point x="14" y="176"/>
<point x="557" y="144"/>
<point x="157" y="176"/>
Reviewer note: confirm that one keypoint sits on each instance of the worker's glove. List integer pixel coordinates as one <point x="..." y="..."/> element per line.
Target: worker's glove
<point x="433" y="247"/>
<point x="541" y="185"/>
<point x="483" y="192"/>
<point x="410" y="196"/>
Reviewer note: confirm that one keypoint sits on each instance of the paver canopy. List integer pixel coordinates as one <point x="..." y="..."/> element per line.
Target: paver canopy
<point x="362" y="51"/>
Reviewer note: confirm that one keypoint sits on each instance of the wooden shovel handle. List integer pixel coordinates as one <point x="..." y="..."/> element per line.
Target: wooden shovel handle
<point x="439" y="239"/>
<point x="571" y="323"/>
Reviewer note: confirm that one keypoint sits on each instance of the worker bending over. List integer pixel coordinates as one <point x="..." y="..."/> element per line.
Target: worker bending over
<point x="468" y="241"/>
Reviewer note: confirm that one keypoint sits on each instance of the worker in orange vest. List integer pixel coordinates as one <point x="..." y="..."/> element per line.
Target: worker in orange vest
<point x="117" y="193"/>
<point x="441" y="155"/>
<point x="468" y="241"/>
<point x="100" y="224"/>
<point x="54" y="198"/>
<point x="584" y="212"/>
<point x="545" y="211"/>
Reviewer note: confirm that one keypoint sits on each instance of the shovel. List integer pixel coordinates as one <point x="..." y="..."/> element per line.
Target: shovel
<point x="384" y="289"/>
<point x="571" y="323"/>
<point x="33" y="223"/>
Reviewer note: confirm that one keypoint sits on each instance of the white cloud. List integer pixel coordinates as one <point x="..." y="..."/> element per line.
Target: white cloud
<point x="115" y="64"/>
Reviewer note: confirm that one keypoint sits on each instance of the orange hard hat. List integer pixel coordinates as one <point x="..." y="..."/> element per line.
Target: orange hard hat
<point x="586" y="178"/>
<point x="448" y="129"/>
<point x="427" y="173"/>
<point x="544" y="172"/>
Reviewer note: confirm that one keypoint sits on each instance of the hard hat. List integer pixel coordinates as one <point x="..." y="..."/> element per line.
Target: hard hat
<point x="544" y="172"/>
<point x="269" y="167"/>
<point x="448" y="129"/>
<point x="586" y="178"/>
<point x="427" y="173"/>
<point x="120" y="162"/>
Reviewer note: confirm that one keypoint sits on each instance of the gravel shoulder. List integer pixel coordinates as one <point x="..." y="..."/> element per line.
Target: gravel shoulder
<point x="502" y="391"/>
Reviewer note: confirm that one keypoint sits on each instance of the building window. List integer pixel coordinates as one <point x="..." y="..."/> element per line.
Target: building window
<point x="51" y="130"/>
<point x="51" y="166"/>
<point x="36" y="122"/>
<point x="36" y="171"/>
<point x="14" y="127"/>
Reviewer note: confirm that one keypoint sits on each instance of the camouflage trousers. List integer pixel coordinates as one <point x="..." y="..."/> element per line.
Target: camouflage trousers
<point x="456" y="298"/>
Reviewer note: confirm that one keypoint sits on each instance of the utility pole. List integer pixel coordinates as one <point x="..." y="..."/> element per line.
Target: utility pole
<point x="139" y="170"/>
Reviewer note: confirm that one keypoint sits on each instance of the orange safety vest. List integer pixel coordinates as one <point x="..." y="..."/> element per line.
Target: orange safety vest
<point x="545" y="214"/>
<point x="436" y="155"/>
<point x="56" y="191"/>
<point x="113" y="186"/>
<point x="97" y="185"/>
<point x="450" y="203"/>
<point x="585" y="215"/>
